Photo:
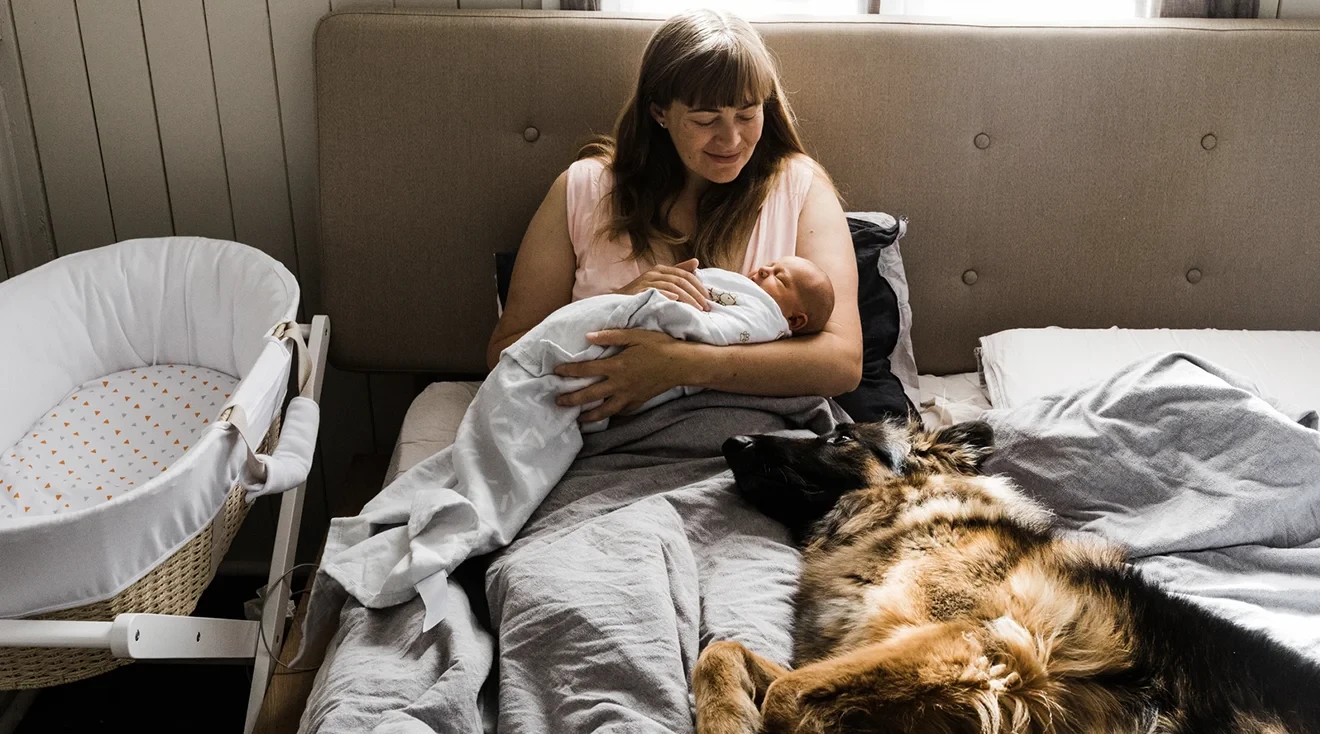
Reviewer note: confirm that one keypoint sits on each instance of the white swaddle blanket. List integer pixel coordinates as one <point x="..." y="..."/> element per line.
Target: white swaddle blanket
<point x="515" y="443"/>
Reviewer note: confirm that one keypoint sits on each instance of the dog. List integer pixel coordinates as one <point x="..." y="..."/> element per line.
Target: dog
<point x="933" y="598"/>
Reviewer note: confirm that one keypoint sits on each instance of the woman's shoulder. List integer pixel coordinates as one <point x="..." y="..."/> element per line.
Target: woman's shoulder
<point x="587" y="187"/>
<point x="587" y="169"/>
<point x="588" y="181"/>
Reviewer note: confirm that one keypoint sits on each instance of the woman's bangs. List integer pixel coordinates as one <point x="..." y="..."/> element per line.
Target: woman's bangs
<point x="728" y="76"/>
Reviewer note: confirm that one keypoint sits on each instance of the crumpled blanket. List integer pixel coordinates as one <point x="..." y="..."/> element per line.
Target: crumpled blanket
<point x="1213" y="488"/>
<point x="642" y="554"/>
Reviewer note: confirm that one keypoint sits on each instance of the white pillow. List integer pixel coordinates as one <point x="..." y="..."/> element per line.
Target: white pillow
<point x="1021" y="364"/>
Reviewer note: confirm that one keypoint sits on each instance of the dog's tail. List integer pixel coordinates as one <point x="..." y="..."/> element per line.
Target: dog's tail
<point x="1032" y="685"/>
<point x="936" y="677"/>
<point x="1051" y="649"/>
<point x="1048" y="663"/>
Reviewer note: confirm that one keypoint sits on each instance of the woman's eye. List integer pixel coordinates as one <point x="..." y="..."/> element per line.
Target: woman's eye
<point x="707" y="123"/>
<point x="746" y="119"/>
<point x="836" y="440"/>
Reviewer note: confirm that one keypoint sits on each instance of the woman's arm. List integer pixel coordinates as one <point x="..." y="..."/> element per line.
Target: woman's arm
<point x="542" y="274"/>
<point x="828" y="363"/>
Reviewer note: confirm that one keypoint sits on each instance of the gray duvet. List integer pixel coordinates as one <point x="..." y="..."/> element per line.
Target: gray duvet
<point x="643" y="553"/>
<point x="1215" y="490"/>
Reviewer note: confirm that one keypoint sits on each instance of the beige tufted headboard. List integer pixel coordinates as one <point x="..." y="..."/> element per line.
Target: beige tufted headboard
<point x="1165" y="174"/>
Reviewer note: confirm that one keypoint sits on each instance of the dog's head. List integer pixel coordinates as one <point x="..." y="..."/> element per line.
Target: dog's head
<point x="797" y="480"/>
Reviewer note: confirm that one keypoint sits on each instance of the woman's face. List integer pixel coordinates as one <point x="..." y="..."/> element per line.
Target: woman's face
<point x="714" y="143"/>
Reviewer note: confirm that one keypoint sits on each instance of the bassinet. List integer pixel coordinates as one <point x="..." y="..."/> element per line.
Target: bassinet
<point x="141" y="388"/>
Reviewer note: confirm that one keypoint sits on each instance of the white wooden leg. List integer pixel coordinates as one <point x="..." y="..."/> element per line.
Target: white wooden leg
<point x="140" y="636"/>
<point x="286" y="544"/>
<point x="54" y="633"/>
<point x="277" y="601"/>
<point x="174" y="637"/>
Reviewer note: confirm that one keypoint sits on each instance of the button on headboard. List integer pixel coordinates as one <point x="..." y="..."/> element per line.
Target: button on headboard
<point x="1163" y="174"/>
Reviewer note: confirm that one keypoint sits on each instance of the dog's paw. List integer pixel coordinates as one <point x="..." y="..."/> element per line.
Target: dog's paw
<point x="731" y="717"/>
<point x="997" y="678"/>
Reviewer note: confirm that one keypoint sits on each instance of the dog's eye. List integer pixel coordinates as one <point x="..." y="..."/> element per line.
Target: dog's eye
<point x="836" y="440"/>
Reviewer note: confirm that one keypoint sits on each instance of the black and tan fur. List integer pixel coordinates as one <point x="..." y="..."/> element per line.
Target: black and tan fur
<point x="934" y="599"/>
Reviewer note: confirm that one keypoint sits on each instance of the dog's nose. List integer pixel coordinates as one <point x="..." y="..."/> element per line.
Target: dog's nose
<point x="737" y="445"/>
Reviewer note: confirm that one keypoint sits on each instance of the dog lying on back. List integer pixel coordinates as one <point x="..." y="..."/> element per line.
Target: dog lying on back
<point x="935" y="599"/>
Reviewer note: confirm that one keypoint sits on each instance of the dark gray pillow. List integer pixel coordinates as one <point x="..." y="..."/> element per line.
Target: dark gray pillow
<point x="881" y="394"/>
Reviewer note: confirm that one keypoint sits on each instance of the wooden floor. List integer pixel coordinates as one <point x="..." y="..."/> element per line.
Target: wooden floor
<point x="288" y="690"/>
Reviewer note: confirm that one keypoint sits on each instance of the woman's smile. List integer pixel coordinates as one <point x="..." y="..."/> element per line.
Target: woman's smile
<point x="733" y="158"/>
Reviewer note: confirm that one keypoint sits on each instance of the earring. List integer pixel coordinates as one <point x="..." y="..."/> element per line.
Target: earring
<point x="664" y="126"/>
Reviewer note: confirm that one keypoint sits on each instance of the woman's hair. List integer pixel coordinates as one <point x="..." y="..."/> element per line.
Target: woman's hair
<point x="702" y="58"/>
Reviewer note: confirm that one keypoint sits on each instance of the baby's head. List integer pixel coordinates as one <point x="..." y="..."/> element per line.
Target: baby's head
<point x="803" y="291"/>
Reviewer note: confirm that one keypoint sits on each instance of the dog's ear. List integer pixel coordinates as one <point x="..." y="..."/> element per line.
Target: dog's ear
<point x="974" y="434"/>
<point x="963" y="446"/>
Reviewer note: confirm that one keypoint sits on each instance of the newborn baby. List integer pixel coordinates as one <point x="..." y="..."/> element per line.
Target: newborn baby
<point x="799" y="287"/>
<point x="798" y="290"/>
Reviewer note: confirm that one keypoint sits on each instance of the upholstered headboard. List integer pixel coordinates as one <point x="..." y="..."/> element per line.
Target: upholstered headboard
<point x="1164" y="174"/>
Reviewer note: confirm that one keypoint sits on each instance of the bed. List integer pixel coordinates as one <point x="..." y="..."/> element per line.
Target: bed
<point x="1151" y="175"/>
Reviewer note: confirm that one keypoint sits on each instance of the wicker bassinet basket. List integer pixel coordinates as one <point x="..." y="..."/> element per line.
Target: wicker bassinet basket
<point x="173" y="587"/>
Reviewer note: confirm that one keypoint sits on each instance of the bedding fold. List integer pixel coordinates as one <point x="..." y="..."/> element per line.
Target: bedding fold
<point x="1215" y="491"/>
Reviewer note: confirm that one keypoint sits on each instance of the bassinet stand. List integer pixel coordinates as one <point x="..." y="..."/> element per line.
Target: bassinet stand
<point x="166" y="637"/>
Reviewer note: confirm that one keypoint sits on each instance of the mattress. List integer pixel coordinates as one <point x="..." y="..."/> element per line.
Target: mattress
<point x="430" y="424"/>
<point x="109" y="436"/>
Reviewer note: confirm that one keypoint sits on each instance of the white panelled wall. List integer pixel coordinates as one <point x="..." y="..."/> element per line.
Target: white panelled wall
<point x="143" y="118"/>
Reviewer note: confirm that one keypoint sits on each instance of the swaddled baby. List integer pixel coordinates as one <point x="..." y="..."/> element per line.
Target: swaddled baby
<point x="744" y="306"/>
<point x="801" y="290"/>
<point x="515" y="441"/>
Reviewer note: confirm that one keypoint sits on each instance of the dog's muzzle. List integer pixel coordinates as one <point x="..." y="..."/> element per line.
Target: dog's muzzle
<point x="738" y="451"/>
<point x="736" y="445"/>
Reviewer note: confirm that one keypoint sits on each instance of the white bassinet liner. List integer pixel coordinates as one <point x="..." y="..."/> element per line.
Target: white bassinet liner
<point x="177" y="300"/>
<point x="109" y="437"/>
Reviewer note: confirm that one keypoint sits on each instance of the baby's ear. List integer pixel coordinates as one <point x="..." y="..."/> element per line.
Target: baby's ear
<point x="797" y="321"/>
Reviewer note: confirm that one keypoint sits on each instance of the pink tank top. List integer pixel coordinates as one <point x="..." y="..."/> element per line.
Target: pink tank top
<point x="604" y="265"/>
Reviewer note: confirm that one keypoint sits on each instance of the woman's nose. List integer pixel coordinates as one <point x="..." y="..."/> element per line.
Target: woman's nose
<point x="728" y="134"/>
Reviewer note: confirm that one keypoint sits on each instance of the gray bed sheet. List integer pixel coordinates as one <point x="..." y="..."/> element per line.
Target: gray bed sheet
<point x="642" y="554"/>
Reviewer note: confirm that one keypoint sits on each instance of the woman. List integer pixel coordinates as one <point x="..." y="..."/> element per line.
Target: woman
<point x="705" y="166"/>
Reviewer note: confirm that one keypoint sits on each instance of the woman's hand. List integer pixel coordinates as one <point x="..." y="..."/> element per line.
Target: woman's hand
<point x="650" y="363"/>
<point x="676" y="282"/>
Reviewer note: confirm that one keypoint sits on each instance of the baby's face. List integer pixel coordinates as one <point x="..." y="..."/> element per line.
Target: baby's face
<point x="803" y="292"/>
<point x="781" y="280"/>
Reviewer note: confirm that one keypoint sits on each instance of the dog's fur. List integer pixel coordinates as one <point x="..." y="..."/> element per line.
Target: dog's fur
<point x="934" y="599"/>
